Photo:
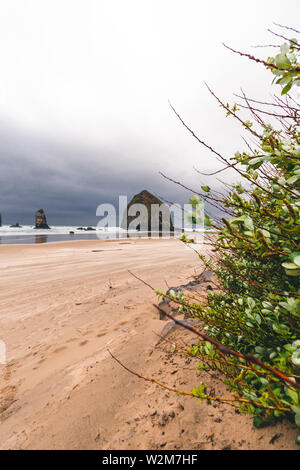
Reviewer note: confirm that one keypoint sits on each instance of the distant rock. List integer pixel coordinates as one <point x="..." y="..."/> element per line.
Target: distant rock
<point x="86" y="229"/>
<point x="160" y="224"/>
<point x="0" y="220"/>
<point x="40" y="220"/>
<point x="17" y="225"/>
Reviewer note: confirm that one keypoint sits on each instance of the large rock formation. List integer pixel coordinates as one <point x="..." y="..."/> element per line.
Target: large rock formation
<point x="161" y="218"/>
<point x="40" y="219"/>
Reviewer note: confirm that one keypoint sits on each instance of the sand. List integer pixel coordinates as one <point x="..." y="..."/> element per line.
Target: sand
<point x="62" y="306"/>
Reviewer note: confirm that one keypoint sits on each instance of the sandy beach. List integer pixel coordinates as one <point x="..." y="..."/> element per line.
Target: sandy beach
<point x="62" y="306"/>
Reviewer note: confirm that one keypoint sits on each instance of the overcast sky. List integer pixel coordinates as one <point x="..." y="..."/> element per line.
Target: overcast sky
<point x="84" y="90"/>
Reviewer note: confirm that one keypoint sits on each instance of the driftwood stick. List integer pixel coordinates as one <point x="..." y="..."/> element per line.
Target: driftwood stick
<point x="226" y="350"/>
<point x="230" y="401"/>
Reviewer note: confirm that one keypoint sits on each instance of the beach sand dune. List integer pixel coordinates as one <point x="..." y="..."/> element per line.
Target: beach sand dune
<point x="62" y="306"/>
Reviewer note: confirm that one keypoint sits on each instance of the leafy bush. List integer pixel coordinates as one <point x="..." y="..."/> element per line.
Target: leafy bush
<point x="252" y="323"/>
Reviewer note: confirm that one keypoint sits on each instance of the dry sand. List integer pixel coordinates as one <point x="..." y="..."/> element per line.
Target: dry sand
<point x="62" y="306"/>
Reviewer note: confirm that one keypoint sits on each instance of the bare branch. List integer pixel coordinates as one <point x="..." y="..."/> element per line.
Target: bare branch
<point x="287" y="27"/>
<point x="225" y="350"/>
<point x="260" y="61"/>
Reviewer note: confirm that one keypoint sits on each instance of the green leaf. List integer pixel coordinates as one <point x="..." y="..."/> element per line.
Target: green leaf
<point x="293" y="395"/>
<point x="296" y="410"/>
<point x="205" y="188"/>
<point x="296" y="260"/>
<point x="207" y="221"/>
<point x="248" y="223"/>
<point x="258" y="421"/>
<point x="293" y="272"/>
<point x="289" y="265"/>
<point x="284" y="48"/>
<point x="282" y="61"/>
<point x="198" y="392"/>
<point x="194" y="201"/>
<point x="294" y="178"/>
<point x="287" y="88"/>
<point x="253" y="161"/>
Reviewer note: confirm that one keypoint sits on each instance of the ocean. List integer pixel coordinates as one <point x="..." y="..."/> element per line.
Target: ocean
<point x="27" y="235"/>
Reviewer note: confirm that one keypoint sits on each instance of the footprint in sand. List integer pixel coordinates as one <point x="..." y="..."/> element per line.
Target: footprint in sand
<point x="83" y="343"/>
<point x="99" y="335"/>
<point x="8" y="393"/>
<point x="62" y="348"/>
<point x="8" y="370"/>
<point x="71" y="340"/>
<point x="7" y="399"/>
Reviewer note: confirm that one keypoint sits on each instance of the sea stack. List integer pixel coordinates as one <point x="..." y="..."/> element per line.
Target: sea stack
<point x="161" y="217"/>
<point x="40" y="220"/>
<point x="0" y="220"/>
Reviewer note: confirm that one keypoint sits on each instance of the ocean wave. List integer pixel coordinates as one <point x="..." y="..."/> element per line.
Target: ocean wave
<point x="6" y="230"/>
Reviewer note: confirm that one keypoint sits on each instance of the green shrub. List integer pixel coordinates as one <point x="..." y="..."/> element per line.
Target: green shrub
<point x="252" y="322"/>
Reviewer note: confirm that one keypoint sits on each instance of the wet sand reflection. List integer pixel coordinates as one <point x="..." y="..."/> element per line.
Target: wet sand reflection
<point x="41" y="238"/>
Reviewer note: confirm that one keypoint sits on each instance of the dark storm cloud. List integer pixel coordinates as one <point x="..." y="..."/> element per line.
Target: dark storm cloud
<point x="97" y="84"/>
<point x="69" y="183"/>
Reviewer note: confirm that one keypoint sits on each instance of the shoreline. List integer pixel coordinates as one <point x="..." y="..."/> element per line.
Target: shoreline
<point x="32" y="238"/>
<point x="86" y="241"/>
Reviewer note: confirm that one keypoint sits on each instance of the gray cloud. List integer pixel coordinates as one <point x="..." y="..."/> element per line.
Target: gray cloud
<point x="84" y="89"/>
<point x="67" y="182"/>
